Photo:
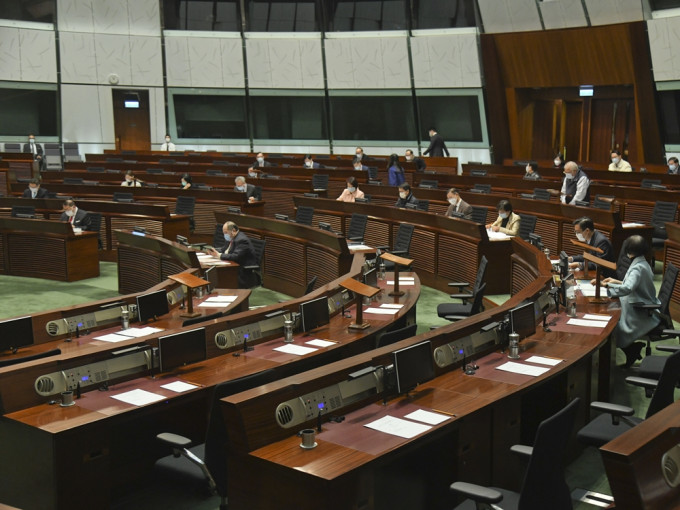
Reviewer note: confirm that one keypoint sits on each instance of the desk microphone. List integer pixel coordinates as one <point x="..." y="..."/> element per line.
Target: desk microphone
<point x="546" y="328"/>
<point x="245" y="344"/>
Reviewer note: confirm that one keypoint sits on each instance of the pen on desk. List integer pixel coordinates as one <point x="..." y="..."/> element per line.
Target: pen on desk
<point x="444" y="412"/>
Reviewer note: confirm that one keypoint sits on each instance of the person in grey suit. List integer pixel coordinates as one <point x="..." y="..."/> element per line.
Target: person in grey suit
<point x="310" y="163"/>
<point x="78" y="218"/>
<point x="437" y="146"/>
<point x="637" y="287"/>
<point x="458" y="205"/>
<point x="252" y="192"/>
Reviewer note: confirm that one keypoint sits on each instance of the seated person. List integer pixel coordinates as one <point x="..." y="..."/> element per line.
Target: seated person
<point x="576" y="185"/>
<point x="358" y="165"/>
<point x="186" y="181"/>
<point x="558" y="160"/>
<point x="252" y="192"/>
<point x="673" y="166"/>
<point x="618" y="164"/>
<point x="238" y="249"/>
<point x="34" y="190"/>
<point x="360" y="155"/>
<point x="260" y="162"/>
<point x="131" y="180"/>
<point x="637" y="287"/>
<point x="507" y="222"/>
<point x="78" y="218"/>
<point x="351" y="192"/>
<point x="168" y="145"/>
<point x="405" y="196"/>
<point x="457" y="204"/>
<point x="531" y="171"/>
<point x="586" y="233"/>
<point x="309" y="162"/>
<point x="420" y="162"/>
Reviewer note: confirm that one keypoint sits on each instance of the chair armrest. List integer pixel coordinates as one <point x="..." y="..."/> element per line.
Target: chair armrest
<point x="462" y="295"/>
<point x="644" y="306"/>
<point x="643" y="382"/>
<point x="668" y="348"/>
<point x="459" y="284"/>
<point x="382" y="248"/>
<point x="252" y="268"/>
<point x="174" y="440"/>
<point x="671" y="332"/>
<point x="456" y="317"/>
<point x="399" y="252"/>
<point x="522" y="450"/>
<point x="476" y="492"/>
<point x="614" y="409"/>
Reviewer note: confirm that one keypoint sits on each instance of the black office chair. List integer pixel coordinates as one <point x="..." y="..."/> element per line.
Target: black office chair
<point x="457" y="312"/>
<point x="357" y="227"/>
<point x="465" y="296"/>
<point x="320" y="182"/>
<point x="304" y="215"/>
<point x="373" y="173"/>
<point x="186" y="205"/>
<point x="664" y="212"/>
<point x="120" y="196"/>
<point x="206" y="462"/>
<point x="310" y="285"/>
<point x="527" y="226"/>
<point x="256" y="270"/>
<point x="618" y="419"/>
<point x="96" y="226"/>
<point x="402" y="244"/>
<point x="479" y="214"/>
<point x="423" y="205"/>
<point x="541" y="194"/>
<point x="218" y="241"/>
<point x="428" y="184"/>
<point x="622" y="264"/>
<point x="544" y="485"/>
<point x="398" y="334"/>
<point x="23" y="211"/>
<point x="482" y="188"/>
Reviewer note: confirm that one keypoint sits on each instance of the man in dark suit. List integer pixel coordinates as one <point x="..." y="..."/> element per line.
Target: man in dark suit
<point x="34" y="190"/>
<point x="36" y="149"/>
<point x="405" y="196"/>
<point x="457" y="204"/>
<point x="78" y="218"/>
<point x="437" y="146"/>
<point x="309" y="162"/>
<point x="252" y="192"/>
<point x="586" y="233"/>
<point x="420" y="162"/>
<point x="239" y="249"/>
<point x="260" y="161"/>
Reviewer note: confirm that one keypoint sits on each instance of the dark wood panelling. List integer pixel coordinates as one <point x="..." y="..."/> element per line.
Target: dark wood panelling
<point x="456" y="259"/>
<point x="283" y="249"/>
<point x="521" y="276"/>
<point x="26" y="260"/>
<point x="137" y="271"/>
<point x="320" y="264"/>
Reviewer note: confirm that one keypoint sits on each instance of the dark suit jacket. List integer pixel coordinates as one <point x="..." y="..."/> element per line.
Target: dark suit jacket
<point x="410" y="199"/>
<point x="257" y="164"/>
<point x="42" y="193"/>
<point x="252" y="191"/>
<point x="463" y="207"/>
<point x="80" y="220"/>
<point x="437" y="146"/>
<point x="240" y="250"/>
<point x="38" y="148"/>
<point x="420" y="164"/>
<point x="599" y="240"/>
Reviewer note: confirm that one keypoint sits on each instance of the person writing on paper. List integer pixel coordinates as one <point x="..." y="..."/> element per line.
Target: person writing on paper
<point x="586" y="233"/>
<point x="78" y="218"/>
<point x="637" y="287"/>
<point x="507" y="222"/>
<point x="351" y="192"/>
<point x="239" y="249"/>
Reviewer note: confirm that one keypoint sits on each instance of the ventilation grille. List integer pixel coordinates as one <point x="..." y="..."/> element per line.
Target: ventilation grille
<point x="284" y="414"/>
<point x="221" y="340"/>
<point x="670" y="470"/>
<point x="44" y="385"/>
<point x="52" y="328"/>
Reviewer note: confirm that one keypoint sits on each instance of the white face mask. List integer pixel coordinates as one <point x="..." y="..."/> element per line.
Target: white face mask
<point x="672" y="168"/>
<point x="503" y="215"/>
<point x="528" y="169"/>
<point x="453" y="201"/>
<point x="241" y="188"/>
<point x="580" y="237"/>
<point x="260" y="161"/>
<point x="167" y="140"/>
<point x="569" y="177"/>
<point x="557" y="162"/>
<point x="69" y="212"/>
<point x="184" y="183"/>
<point x="252" y="174"/>
<point x="309" y="164"/>
<point x="358" y="155"/>
<point x="616" y="160"/>
<point x="352" y="189"/>
<point x="403" y="194"/>
<point x="409" y="158"/>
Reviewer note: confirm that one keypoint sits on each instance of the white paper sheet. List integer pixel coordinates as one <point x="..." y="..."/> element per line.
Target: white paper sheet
<point x="597" y="317"/>
<point x="138" y="397"/>
<point x="427" y="417"/>
<point x="542" y="360"/>
<point x="497" y="235"/>
<point x="587" y="323"/>
<point x="299" y="350"/>
<point x="317" y="342"/>
<point x="519" y="368"/>
<point x="589" y="290"/>
<point x="358" y="247"/>
<point x="179" y="386"/>
<point x="382" y="311"/>
<point x="112" y="337"/>
<point x="631" y="225"/>
<point x="137" y="332"/>
<point x="221" y="299"/>
<point x="401" y="282"/>
<point x="398" y="427"/>
<point x="213" y="304"/>
<point x="391" y="305"/>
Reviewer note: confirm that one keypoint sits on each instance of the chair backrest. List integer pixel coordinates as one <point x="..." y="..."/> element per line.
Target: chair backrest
<point x="667" y="286"/>
<point x="664" y="212"/>
<point x="304" y="215"/>
<point x="477" y="172"/>
<point x="477" y="300"/>
<point x="119" y="196"/>
<point x="73" y="180"/>
<point x="12" y="147"/>
<point x="603" y="202"/>
<point x="479" y="214"/>
<point x="541" y="194"/>
<point x="622" y="264"/>
<point x="483" y="188"/>
<point x="97" y="169"/>
<point x="648" y="183"/>
<point x="527" y="226"/>
<point x="218" y="241"/>
<point x="310" y="285"/>
<point x="398" y="334"/>
<point x="319" y="181"/>
<point x="258" y="248"/>
<point x="23" y="211"/>
<point x="403" y="240"/>
<point x="185" y="205"/>
<point x="357" y="226"/>
<point x="423" y="205"/>
<point x="427" y="183"/>
<point x="544" y="485"/>
<point x="372" y="173"/>
<point x="665" y="389"/>
<point x="95" y="221"/>
<point x="166" y="161"/>
<point x="154" y="170"/>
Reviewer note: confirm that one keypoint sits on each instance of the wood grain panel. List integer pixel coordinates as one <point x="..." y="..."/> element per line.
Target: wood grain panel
<point x="546" y="229"/>
<point x="672" y="255"/>
<point x="521" y="276"/>
<point x="290" y="251"/>
<point x="137" y="271"/>
<point x="169" y="267"/>
<point x="322" y="265"/>
<point x="378" y="233"/>
<point x="152" y="227"/>
<point x="278" y="202"/>
<point x="423" y="250"/>
<point x="457" y="260"/>
<point x="35" y="256"/>
<point x="334" y="220"/>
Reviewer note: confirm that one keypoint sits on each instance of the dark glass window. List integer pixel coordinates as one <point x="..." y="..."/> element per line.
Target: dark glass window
<point x="658" y="5"/>
<point x="284" y="117"/>
<point x="443" y="13"/>
<point x="24" y="111"/>
<point x="199" y="116"/>
<point x="220" y="15"/>
<point x="372" y="118"/>
<point x="363" y="15"/>
<point x="455" y="117"/>
<point x="282" y="16"/>
<point x="28" y="10"/>
<point x="669" y="107"/>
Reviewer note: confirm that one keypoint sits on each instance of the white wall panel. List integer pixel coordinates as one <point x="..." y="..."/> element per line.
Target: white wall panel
<point x="177" y="65"/>
<point x="75" y="15"/>
<point x="233" y="74"/>
<point x="110" y="17"/>
<point x="132" y="17"/>
<point x="38" y="56"/>
<point x="450" y="60"/>
<point x="205" y="61"/>
<point x="284" y="63"/>
<point x="81" y="118"/>
<point x="607" y="12"/>
<point x="509" y="15"/>
<point x="144" y="17"/>
<point x="113" y="57"/>
<point x="157" y="118"/>
<point x="563" y="14"/>
<point x="259" y="65"/>
<point x="10" y="54"/>
<point x="78" y="60"/>
<point x="664" y="41"/>
<point x="146" y="60"/>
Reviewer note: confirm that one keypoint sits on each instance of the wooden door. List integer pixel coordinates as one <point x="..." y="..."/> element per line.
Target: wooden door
<point x="132" y="125"/>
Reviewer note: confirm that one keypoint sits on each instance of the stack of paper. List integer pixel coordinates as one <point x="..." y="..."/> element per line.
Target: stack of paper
<point x="218" y="301"/>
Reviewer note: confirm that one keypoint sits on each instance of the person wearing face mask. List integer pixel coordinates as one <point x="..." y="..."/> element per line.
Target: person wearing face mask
<point x="186" y="181"/>
<point x="351" y="192"/>
<point x="360" y="155"/>
<point x="359" y="166"/>
<point x="458" y="205"/>
<point x="130" y="180"/>
<point x="253" y="193"/>
<point x="584" y="229"/>
<point x="576" y="185"/>
<point x="637" y="287"/>
<point x="558" y="160"/>
<point x="36" y="149"/>
<point x="395" y="172"/>
<point x="260" y="162"/>
<point x="309" y="162"/>
<point x="405" y="196"/>
<point x="673" y="166"/>
<point x="168" y="146"/>
<point x="34" y="190"/>
<point x="618" y="164"/>
<point x="419" y="162"/>
<point x="437" y="146"/>
<point x="239" y="249"/>
<point x="507" y="222"/>
<point x="531" y="171"/>
<point x="78" y="218"/>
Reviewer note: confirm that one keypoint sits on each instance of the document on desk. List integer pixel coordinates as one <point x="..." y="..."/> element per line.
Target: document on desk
<point x="381" y="311"/>
<point x="391" y="305"/>
<point x="427" y="417"/>
<point x="317" y="342"/>
<point x="299" y="350"/>
<point x="597" y="317"/>
<point x="358" y="247"/>
<point x="496" y="235"/>
<point x="519" y="368"/>
<point x="631" y="224"/>
<point x="217" y="302"/>
<point x="179" y="386"/>
<point x="543" y="360"/>
<point x="112" y="337"/>
<point x="138" y="397"/>
<point x="403" y="281"/>
<point x="586" y="323"/>
<point x="398" y="427"/>
<point x="222" y="299"/>
<point x="137" y="332"/>
<point x="588" y="289"/>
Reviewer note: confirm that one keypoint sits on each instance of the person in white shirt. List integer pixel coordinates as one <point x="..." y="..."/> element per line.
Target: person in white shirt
<point x="576" y="185"/>
<point x="618" y="164"/>
<point x="168" y="145"/>
<point x="130" y="180"/>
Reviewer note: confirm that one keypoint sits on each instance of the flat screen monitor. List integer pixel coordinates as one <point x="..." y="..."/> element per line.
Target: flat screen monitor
<point x="413" y="365"/>
<point x="564" y="264"/>
<point x="314" y="313"/>
<point x="152" y="305"/>
<point x="181" y="349"/>
<point x="15" y="333"/>
<point x="523" y="320"/>
<point x="370" y="277"/>
<point x="211" y="275"/>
